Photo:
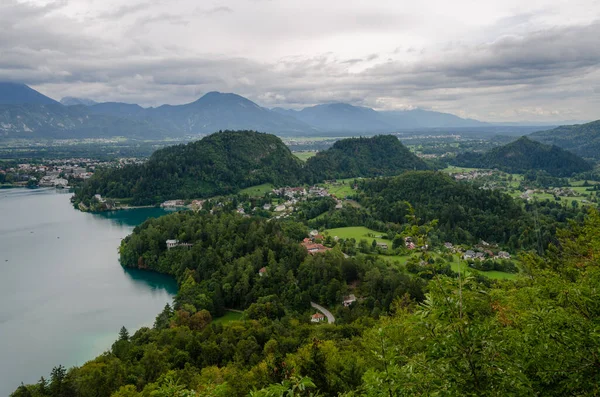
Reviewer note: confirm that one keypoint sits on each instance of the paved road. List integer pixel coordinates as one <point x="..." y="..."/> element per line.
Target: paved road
<point x="327" y="313"/>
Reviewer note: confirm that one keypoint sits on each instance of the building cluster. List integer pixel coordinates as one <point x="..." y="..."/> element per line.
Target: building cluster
<point x="471" y="175"/>
<point x="313" y="243"/>
<point x="557" y="191"/>
<point x="481" y="252"/>
<point x="485" y="254"/>
<point x="57" y="173"/>
<point x="173" y="204"/>
<point x="313" y="247"/>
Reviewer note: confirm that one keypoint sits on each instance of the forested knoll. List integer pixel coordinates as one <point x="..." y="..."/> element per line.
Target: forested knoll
<point x="381" y="155"/>
<point x="581" y="139"/>
<point x="221" y="269"/>
<point x="524" y="155"/>
<point x="225" y="162"/>
<point x="221" y="163"/>
<point x="535" y="336"/>
<point x="465" y="213"/>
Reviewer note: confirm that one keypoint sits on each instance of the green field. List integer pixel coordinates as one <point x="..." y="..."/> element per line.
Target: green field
<point x="228" y="317"/>
<point x="402" y="259"/>
<point x="493" y="274"/>
<point x="358" y="233"/>
<point x="304" y="155"/>
<point x="258" y="190"/>
<point x="454" y="169"/>
<point x="341" y="188"/>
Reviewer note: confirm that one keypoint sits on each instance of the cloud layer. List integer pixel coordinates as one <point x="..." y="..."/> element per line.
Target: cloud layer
<point x="482" y="61"/>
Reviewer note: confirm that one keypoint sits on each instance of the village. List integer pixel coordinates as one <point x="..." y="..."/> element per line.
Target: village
<point x="280" y="203"/>
<point x="60" y="174"/>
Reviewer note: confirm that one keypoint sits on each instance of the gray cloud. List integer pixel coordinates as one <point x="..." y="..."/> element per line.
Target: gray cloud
<point x="217" y="10"/>
<point x="549" y="73"/>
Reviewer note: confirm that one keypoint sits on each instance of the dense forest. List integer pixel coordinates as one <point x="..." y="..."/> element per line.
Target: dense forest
<point x="419" y="326"/>
<point x="462" y="336"/>
<point x="465" y="213"/>
<point x="221" y="163"/>
<point x="381" y="155"/>
<point x="225" y="162"/>
<point x="525" y="155"/>
<point x="581" y="139"/>
<point x="221" y="268"/>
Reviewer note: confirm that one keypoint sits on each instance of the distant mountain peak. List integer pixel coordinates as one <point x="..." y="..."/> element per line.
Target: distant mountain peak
<point x="20" y="94"/>
<point x="72" y="101"/>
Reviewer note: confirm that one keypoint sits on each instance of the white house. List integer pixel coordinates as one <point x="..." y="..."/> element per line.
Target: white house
<point x="317" y="318"/>
<point x="172" y="243"/>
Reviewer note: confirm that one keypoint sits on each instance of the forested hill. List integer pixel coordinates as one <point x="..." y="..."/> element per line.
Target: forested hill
<point x="381" y="155"/>
<point x="465" y="212"/>
<point x="524" y="155"/>
<point x="221" y="163"/>
<point x="581" y="139"/>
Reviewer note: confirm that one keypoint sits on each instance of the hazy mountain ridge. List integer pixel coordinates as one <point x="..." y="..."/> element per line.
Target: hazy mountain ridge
<point x="336" y="117"/>
<point x="212" y="112"/>
<point x="73" y="101"/>
<point x="340" y="117"/>
<point x="20" y="94"/>
<point x="56" y="121"/>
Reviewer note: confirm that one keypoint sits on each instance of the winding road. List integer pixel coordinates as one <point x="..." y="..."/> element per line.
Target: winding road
<point x="327" y="313"/>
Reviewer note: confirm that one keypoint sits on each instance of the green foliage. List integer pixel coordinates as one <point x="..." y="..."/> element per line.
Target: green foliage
<point x="465" y="213"/>
<point x="525" y="155"/>
<point x="221" y="163"/>
<point x="429" y="331"/>
<point x="366" y="157"/>
<point x="581" y="139"/>
<point x="288" y="388"/>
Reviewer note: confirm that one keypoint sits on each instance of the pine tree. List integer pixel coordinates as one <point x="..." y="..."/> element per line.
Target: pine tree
<point x="123" y="334"/>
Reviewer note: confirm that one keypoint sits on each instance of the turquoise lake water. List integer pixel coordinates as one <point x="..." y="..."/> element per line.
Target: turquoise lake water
<point x="63" y="294"/>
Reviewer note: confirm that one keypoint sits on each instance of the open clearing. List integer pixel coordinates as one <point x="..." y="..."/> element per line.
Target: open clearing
<point x="493" y="274"/>
<point x="358" y="233"/>
<point x="228" y="317"/>
<point x="304" y="155"/>
<point x="341" y="188"/>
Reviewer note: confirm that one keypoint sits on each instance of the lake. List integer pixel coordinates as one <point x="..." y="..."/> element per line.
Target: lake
<point x="63" y="294"/>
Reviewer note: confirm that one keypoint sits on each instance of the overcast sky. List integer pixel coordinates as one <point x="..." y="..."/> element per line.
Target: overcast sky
<point x="494" y="60"/>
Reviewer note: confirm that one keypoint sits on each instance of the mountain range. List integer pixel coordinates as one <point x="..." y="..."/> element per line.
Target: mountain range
<point x="26" y="113"/>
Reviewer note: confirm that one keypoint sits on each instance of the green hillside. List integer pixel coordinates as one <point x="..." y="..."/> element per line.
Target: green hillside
<point x="381" y="155"/>
<point x="523" y="155"/>
<point x="581" y="139"/>
<point x="221" y="163"/>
